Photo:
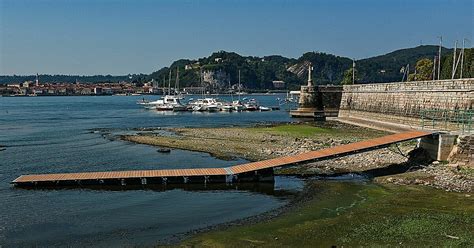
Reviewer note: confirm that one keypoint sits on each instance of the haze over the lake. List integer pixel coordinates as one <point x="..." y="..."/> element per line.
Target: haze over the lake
<point x="121" y="37"/>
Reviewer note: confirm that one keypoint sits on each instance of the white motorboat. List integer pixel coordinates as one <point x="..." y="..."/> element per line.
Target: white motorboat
<point x="206" y="104"/>
<point x="152" y="107"/>
<point x="145" y="102"/>
<point x="227" y="107"/>
<point x="169" y="103"/>
<point x="251" y="105"/>
<point x="262" y="108"/>
<point x="164" y="107"/>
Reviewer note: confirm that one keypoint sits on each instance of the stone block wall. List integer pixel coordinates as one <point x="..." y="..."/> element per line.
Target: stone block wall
<point x="318" y="101"/>
<point x="307" y="97"/>
<point x="330" y="96"/>
<point x="405" y="101"/>
<point x="463" y="154"/>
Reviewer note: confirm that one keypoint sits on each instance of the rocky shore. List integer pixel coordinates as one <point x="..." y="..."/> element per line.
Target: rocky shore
<point x="400" y="164"/>
<point x="442" y="176"/>
<point x="254" y="143"/>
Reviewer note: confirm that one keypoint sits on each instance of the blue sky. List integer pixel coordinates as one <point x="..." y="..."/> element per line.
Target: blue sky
<point x="140" y="36"/>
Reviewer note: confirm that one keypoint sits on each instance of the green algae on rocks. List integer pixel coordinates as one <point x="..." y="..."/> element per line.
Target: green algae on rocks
<point x="359" y="214"/>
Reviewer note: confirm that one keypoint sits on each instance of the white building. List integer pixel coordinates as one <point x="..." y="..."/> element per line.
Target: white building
<point x="278" y="84"/>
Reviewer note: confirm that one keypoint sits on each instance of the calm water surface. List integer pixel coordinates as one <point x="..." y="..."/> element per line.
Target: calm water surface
<point x="56" y="134"/>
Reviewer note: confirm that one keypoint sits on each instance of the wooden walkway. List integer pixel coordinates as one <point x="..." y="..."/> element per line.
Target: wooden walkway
<point x="214" y="174"/>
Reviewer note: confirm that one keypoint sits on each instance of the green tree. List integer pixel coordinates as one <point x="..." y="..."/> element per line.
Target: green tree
<point x="424" y="70"/>
<point x="447" y="65"/>
<point x="347" y="79"/>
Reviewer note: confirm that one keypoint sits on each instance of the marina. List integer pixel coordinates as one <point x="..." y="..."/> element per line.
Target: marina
<point x="173" y="100"/>
<point x="207" y="104"/>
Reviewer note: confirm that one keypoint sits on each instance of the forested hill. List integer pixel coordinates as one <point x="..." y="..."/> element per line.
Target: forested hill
<point x="386" y="68"/>
<point x="259" y="72"/>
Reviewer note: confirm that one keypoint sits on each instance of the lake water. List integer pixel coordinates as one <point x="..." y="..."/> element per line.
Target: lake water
<point x="56" y="134"/>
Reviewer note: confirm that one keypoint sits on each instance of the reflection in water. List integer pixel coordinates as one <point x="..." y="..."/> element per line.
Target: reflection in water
<point x="282" y="186"/>
<point x="264" y="188"/>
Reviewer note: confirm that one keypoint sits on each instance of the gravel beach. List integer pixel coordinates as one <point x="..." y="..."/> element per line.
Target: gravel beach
<point x="397" y="164"/>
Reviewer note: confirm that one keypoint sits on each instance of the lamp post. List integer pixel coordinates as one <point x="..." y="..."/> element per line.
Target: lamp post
<point x="439" y="55"/>
<point x="353" y="70"/>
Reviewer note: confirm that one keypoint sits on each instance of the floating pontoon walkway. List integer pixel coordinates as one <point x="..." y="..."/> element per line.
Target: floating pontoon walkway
<point x="255" y="171"/>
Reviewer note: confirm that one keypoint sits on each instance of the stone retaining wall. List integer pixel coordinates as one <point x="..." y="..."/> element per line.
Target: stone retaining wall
<point x="463" y="154"/>
<point x="318" y="101"/>
<point x="406" y="101"/>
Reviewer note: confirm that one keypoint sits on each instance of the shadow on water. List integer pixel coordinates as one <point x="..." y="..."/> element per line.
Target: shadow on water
<point x="266" y="188"/>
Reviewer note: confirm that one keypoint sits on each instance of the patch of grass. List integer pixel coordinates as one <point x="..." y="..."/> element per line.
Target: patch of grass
<point x="467" y="171"/>
<point x="313" y="130"/>
<point x="348" y="214"/>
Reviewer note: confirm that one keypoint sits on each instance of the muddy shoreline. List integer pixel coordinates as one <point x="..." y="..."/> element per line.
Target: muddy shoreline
<point x="295" y="201"/>
<point x="398" y="165"/>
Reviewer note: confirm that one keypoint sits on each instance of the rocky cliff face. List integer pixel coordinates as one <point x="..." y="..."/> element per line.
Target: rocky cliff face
<point x="300" y="69"/>
<point x="219" y="78"/>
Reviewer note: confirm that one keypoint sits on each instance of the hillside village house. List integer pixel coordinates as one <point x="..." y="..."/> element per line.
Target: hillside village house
<point x="279" y="84"/>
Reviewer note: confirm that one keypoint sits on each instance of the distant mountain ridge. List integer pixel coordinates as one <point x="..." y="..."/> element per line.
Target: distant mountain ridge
<point x="259" y="72"/>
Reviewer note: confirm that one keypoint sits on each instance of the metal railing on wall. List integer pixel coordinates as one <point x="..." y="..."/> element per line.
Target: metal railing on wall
<point x="448" y="120"/>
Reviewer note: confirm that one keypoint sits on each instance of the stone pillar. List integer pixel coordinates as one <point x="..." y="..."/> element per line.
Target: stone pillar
<point x="438" y="146"/>
<point x="310" y="78"/>
<point x="463" y="153"/>
<point x="307" y="104"/>
<point x="307" y="98"/>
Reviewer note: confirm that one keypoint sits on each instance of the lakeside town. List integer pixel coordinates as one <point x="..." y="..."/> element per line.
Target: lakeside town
<point x="37" y="88"/>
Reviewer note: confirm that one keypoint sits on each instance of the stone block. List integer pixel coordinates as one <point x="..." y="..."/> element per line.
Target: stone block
<point x="438" y="146"/>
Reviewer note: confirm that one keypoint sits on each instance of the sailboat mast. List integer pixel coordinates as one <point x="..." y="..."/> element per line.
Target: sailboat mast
<point x="239" y="85"/>
<point x="200" y="80"/>
<point x="164" y="84"/>
<point x="169" y="84"/>
<point x="176" y="85"/>
<point x="462" y="56"/>
<point x="230" y="89"/>
<point x="454" y="60"/>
